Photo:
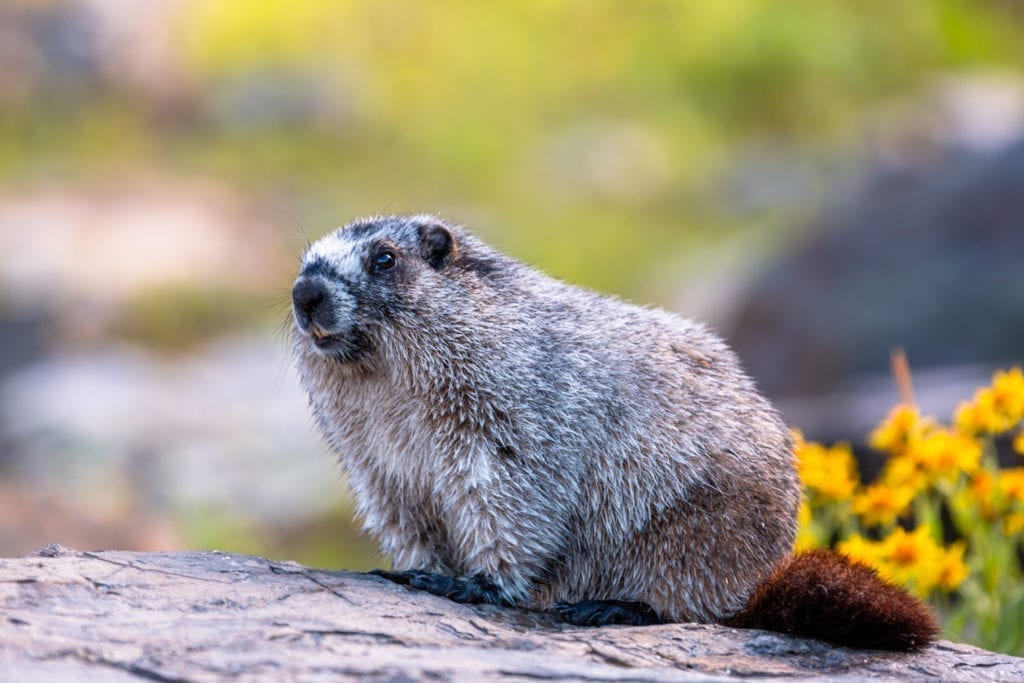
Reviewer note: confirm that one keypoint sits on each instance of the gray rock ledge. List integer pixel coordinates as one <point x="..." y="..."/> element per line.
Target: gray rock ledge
<point x="184" y="616"/>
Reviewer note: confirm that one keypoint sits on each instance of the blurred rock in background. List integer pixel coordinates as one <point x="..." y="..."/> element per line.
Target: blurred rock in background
<point x="924" y="255"/>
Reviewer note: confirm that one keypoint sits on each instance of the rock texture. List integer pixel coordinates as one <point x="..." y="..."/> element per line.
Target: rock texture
<point x="120" y="616"/>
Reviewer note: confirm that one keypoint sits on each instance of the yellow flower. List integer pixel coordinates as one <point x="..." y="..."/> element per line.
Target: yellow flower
<point x="993" y="493"/>
<point x="953" y="570"/>
<point x="970" y="419"/>
<point x="805" y="536"/>
<point x="1011" y="483"/>
<point x="981" y="490"/>
<point x="902" y="427"/>
<point x="803" y="515"/>
<point x="982" y="414"/>
<point x="902" y="472"/>
<point x="945" y="454"/>
<point x="906" y="550"/>
<point x="1013" y="523"/>
<point x="994" y="409"/>
<point x="1018" y="442"/>
<point x="912" y="559"/>
<point x="880" y="504"/>
<point x="982" y="484"/>
<point x="1008" y="394"/>
<point x="859" y="549"/>
<point x="831" y="472"/>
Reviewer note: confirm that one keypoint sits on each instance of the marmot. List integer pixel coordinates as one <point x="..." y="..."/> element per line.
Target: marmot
<point x="513" y="439"/>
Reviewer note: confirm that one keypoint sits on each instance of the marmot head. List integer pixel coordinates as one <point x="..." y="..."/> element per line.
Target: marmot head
<point x="375" y="275"/>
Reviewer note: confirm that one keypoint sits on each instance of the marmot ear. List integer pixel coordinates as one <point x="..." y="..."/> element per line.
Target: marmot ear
<point x="436" y="245"/>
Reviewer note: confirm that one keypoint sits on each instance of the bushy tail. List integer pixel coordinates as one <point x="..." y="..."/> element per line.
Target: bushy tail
<point x="824" y="595"/>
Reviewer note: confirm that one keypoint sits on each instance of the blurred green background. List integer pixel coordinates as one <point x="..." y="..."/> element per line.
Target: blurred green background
<point x="162" y="163"/>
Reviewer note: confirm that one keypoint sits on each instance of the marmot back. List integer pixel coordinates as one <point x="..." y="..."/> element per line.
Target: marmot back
<point x="513" y="439"/>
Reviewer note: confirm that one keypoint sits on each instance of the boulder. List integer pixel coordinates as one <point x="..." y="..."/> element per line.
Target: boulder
<point x="212" y="616"/>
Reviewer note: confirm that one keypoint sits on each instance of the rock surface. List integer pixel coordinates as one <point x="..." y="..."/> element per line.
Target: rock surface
<point x="121" y="616"/>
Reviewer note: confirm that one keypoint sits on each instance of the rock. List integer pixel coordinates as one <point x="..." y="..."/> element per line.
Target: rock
<point x="189" y="616"/>
<point x="926" y="260"/>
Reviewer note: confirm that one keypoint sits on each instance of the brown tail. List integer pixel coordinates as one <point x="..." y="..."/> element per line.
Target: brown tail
<point x="828" y="596"/>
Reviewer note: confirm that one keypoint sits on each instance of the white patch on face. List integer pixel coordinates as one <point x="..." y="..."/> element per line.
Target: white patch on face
<point x="337" y="251"/>
<point x="344" y="307"/>
<point x="343" y="256"/>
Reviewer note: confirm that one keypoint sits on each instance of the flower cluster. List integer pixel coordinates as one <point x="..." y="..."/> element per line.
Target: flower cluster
<point x="994" y="409"/>
<point x="828" y="473"/>
<point x="939" y="482"/>
<point x="913" y="559"/>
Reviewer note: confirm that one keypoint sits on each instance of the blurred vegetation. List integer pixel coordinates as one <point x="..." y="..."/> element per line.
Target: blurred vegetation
<point x="332" y="540"/>
<point x="179" y="317"/>
<point x="580" y="136"/>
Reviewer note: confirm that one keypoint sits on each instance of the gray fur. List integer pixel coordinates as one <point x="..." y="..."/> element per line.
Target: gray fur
<point x="565" y="445"/>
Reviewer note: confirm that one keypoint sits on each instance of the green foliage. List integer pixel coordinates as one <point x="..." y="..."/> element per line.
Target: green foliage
<point x="207" y="528"/>
<point x="330" y="541"/>
<point x="606" y="123"/>
<point x="333" y="540"/>
<point x="177" y="317"/>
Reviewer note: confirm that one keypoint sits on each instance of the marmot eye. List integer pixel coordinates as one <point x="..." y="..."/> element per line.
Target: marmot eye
<point x="384" y="261"/>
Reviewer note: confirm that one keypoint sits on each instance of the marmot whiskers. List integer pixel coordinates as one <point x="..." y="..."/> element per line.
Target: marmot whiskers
<point x="513" y="439"/>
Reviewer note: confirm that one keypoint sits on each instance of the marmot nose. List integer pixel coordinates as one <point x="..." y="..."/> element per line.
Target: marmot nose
<point x="307" y="296"/>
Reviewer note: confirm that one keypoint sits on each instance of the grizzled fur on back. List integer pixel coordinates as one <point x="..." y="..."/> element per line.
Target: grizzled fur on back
<point x="496" y="422"/>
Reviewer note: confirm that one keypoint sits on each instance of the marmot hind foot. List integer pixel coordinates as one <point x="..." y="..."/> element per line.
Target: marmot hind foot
<point x="607" y="613"/>
<point x="474" y="590"/>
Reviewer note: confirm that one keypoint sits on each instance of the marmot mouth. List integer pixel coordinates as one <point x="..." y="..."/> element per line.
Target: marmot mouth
<point x="343" y="346"/>
<point x="323" y="339"/>
<point x="315" y="332"/>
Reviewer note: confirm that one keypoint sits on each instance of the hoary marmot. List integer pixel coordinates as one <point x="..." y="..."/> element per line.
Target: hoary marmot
<point x="513" y="439"/>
